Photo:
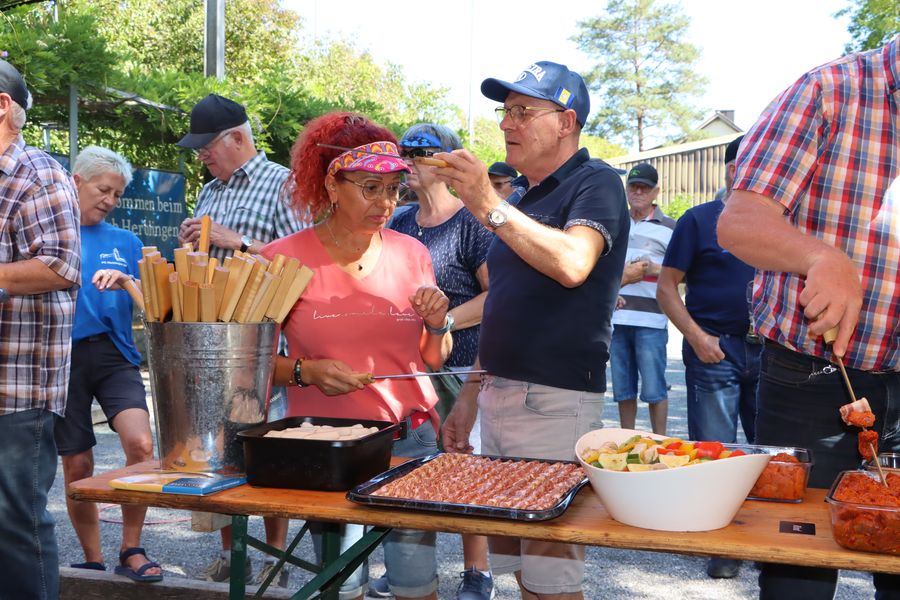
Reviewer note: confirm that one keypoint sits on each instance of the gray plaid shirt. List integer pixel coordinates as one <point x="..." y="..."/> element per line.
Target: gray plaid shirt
<point x="253" y="202"/>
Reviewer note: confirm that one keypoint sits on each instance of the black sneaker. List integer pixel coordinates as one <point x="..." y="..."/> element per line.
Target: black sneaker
<point x="475" y="586"/>
<point x="723" y="568"/>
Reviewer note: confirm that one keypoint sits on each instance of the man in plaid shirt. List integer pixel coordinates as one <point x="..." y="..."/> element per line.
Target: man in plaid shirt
<point x="816" y="207"/>
<point x="40" y="268"/>
<point x="247" y="204"/>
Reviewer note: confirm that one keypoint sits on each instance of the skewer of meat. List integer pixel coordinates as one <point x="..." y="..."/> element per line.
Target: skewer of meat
<point x="865" y="439"/>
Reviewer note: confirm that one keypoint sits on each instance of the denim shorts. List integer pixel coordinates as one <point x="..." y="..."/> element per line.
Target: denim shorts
<point x="536" y="421"/>
<point x="409" y="554"/>
<point x="638" y="351"/>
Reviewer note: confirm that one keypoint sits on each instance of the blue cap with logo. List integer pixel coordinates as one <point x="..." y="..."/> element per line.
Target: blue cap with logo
<point x="548" y="81"/>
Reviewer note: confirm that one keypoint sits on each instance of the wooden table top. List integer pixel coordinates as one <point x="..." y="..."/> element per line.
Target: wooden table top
<point x="753" y="534"/>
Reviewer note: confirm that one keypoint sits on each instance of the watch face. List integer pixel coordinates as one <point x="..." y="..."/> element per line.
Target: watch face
<point x="497" y="217"/>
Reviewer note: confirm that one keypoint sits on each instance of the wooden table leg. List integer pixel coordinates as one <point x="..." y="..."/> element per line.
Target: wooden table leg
<point x="238" y="581"/>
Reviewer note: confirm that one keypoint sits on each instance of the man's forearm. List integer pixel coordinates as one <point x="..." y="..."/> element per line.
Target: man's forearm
<point x="32" y="276"/>
<point x="754" y="228"/>
<point x="567" y="257"/>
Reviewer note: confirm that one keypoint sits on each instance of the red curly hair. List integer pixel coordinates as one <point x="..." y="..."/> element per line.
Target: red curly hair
<point x="309" y="161"/>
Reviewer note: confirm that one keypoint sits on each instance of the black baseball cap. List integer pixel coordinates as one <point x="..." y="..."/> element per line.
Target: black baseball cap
<point x="732" y="149"/>
<point x="548" y="81"/>
<point x="643" y="173"/>
<point x="502" y="169"/>
<point x="12" y="83"/>
<point x="210" y="117"/>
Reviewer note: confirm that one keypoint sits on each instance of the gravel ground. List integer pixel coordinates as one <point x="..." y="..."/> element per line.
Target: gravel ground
<point x="610" y="573"/>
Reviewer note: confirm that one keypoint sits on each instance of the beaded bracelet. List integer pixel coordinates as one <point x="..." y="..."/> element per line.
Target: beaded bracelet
<point x="297" y="377"/>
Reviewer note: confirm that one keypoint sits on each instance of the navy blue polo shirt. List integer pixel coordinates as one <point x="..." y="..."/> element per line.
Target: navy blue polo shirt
<point x="717" y="281"/>
<point x="535" y="329"/>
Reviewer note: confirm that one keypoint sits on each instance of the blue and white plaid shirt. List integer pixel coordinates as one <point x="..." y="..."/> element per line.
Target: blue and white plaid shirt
<point x="252" y="202"/>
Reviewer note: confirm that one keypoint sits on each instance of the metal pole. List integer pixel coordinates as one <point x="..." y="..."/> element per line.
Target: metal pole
<point x="73" y="124"/>
<point x="214" y="40"/>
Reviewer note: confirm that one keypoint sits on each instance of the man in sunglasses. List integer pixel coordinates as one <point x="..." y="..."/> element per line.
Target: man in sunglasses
<point x="247" y="204"/>
<point x="556" y="263"/>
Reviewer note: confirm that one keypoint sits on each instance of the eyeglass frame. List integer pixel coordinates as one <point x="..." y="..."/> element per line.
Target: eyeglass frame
<point x="501" y="112"/>
<point x="208" y="147"/>
<point x="406" y="152"/>
<point x="381" y="194"/>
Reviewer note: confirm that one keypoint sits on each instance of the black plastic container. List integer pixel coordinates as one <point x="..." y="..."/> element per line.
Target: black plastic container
<point x="315" y="464"/>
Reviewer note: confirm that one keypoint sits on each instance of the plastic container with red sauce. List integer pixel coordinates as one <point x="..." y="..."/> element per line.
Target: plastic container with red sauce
<point x="785" y="477"/>
<point x="864" y="514"/>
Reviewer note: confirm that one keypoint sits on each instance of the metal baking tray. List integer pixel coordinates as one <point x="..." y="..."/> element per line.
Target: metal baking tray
<point x="362" y="494"/>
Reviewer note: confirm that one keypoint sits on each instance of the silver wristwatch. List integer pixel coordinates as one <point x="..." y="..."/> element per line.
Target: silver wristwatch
<point x="246" y="242"/>
<point x="498" y="215"/>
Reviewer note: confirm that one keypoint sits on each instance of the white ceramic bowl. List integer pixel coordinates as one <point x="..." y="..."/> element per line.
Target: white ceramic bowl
<point x="695" y="498"/>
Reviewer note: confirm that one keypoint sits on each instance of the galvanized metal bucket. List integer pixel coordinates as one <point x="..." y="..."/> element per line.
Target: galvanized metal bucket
<point x="208" y="381"/>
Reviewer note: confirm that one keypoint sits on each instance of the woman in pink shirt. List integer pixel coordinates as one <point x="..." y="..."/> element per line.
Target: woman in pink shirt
<point x="372" y="307"/>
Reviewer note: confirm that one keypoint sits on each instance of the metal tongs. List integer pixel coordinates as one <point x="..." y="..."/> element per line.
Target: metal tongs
<point x="829" y="337"/>
<point x="435" y="374"/>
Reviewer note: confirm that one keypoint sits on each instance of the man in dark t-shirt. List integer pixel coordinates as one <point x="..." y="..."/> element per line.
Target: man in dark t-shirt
<point x="555" y="263"/>
<point x="721" y="356"/>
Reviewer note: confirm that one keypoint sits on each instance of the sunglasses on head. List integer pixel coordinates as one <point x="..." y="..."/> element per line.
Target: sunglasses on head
<point x="417" y="152"/>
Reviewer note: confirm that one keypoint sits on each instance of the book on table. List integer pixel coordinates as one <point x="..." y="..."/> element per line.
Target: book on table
<point x="167" y="482"/>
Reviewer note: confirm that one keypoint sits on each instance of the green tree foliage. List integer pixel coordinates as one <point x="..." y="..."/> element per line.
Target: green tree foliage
<point x="645" y="70"/>
<point x="873" y="23"/>
<point x="119" y="53"/>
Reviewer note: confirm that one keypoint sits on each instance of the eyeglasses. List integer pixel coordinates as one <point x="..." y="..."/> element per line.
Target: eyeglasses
<point x="499" y="183"/>
<point x="639" y="188"/>
<point x="417" y="152"/>
<point x="517" y="112"/>
<point x="208" y="148"/>
<point x="375" y="190"/>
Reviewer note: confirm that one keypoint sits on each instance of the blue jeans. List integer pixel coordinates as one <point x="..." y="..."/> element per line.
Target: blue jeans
<point x="638" y="351"/>
<point x="409" y="554"/>
<point x="718" y="393"/>
<point x="798" y="401"/>
<point x="28" y="549"/>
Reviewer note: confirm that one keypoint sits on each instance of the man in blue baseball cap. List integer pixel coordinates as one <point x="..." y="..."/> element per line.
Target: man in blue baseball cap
<point x="556" y="263"/>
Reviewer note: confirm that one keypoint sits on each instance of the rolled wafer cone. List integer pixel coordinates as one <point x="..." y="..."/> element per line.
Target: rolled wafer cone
<point x="148" y="250"/>
<point x="205" y="227"/>
<point x="242" y="310"/>
<point x="298" y="285"/>
<point x="190" y="298"/>
<point x="175" y="290"/>
<point x="207" y="303"/>
<point x="147" y="284"/>
<point x="263" y="297"/>
<point x="233" y="296"/>
<point x="182" y="265"/>
<point x="288" y="272"/>
<point x="198" y="272"/>
<point x="277" y="264"/>
<point x="160" y="269"/>
<point x="134" y="293"/>
<point x="219" y="281"/>
<point x="211" y="269"/>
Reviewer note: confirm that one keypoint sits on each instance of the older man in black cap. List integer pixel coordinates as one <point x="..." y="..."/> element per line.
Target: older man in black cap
<point x="247" y="205"/>
<point x="40" y="268"/>
<point x="246" y="199"/>
<point x="502" y="176"/>
<point x="555" y="264"/>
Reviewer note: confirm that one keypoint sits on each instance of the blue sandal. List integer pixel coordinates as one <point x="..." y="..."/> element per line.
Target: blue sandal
<point x="138" y="575"/>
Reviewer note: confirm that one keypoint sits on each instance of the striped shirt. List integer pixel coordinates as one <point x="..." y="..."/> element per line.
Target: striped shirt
<point x="828" y="150"/>
<point x="252" y="202"/>
<point x="648" y="239"/>
<point x="40" y="220"/>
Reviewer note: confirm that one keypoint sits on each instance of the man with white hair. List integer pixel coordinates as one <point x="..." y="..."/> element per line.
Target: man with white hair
<point x="105" y="361"/>
<point x="40" y="268"/>
<point x="247" y="204"/>
<point x="246" y="199"/>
